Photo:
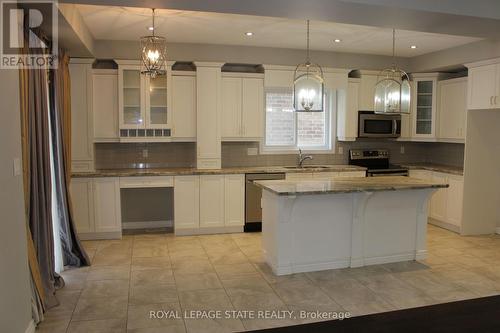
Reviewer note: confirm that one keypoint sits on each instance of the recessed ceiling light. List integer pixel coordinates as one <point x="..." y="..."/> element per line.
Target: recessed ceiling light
<point x="413" y="46"/>
<point x="151" y="28"/>
<point x="248" y="33"/>
<point x="336" y="40"/>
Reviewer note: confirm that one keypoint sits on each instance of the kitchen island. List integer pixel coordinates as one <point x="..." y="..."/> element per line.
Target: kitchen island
<point x="310" y="225"/>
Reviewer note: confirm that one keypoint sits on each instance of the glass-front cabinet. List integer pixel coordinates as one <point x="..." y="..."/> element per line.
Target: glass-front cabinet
<point x="424" y="106"/>
<point x="143" y="101"/>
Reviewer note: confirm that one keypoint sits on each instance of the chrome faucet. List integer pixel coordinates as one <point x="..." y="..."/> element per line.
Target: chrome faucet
<point x="302" y="158"/>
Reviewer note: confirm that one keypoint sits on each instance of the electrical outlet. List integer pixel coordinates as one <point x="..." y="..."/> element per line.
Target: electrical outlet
<point x="145" y="153"/>
<point x="402" y="149"/>
<point x="340" y="150"/>
<point x="252" y="151"/>
<point x="17" y="167"/>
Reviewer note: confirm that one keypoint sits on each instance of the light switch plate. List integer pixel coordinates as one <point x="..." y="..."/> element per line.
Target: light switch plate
<point x="145" y="153"/>
<point x="17" y="166"/>
<point x="340" y="150"/>
<point x="402" y="149"/>
<point x="252" y="151"/>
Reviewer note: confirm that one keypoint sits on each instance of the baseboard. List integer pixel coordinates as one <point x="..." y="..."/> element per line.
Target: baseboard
<point x="147" y="224"/>
<point x="31" y="327"/>
<point x="445" y="225"/>
<point x="390" y="259"/>
<point x="497" y="230"/>
<point x="100" y="235"/>
<point x="301" y="268"/>
<point x="207" y="231"/>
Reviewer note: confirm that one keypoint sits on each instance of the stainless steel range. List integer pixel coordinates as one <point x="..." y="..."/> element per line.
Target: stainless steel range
<point x="376" y="161"/>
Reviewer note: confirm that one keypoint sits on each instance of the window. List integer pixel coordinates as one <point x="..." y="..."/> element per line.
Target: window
<point x="290" y="130"/>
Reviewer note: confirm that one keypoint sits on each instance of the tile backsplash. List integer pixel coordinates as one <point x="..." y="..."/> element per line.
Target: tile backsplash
<point x="234" y="154"/>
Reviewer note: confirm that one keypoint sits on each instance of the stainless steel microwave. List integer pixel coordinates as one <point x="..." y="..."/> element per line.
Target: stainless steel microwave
<point x="372" y="125"/>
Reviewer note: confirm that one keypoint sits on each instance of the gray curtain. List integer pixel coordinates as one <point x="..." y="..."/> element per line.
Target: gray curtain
<point x="60" y="115"/>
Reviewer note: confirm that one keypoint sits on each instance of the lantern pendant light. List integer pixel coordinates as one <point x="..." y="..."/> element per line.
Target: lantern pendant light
<point x="392" y="91"/>
<point x="308" y="85"/>
<point x="153" y="53"/>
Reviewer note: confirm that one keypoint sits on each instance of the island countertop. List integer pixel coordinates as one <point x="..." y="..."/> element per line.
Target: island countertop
<point x="346" y="185"/>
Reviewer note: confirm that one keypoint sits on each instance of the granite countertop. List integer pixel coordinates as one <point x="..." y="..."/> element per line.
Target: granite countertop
<point x="194" y="171"/>
<point x="346" y="185"/>
<point x="435" y="167"/>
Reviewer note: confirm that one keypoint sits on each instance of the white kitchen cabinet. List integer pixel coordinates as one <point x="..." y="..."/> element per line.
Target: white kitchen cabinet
<point x="454" y="204"/>
<point x="186" y="202"/>
<point x="82" y="197"/>
<point x="234" y="200"/>
<point x="438" y="202"/>
<point x="298" y="175"/>
<point x="347" y="117"/>
<point x="211" y="201"/>
<point x="82" y="146"/>
<point x="144" y="104"/>
<point x="446" y="204"/>
<point x="452" y="109"/>
<point x="184" y="107"/>
<point x="107" y="207"/>
<point x="424" y="110"/>
<point x="483" y="87"/>
<point x="231" y="107"/>
<point x="323" y="175"/>
<point x="105" y="105"/>
<point x="208" y="114"/>
<point x="367" y="91"/>
<point x="349" y="174"/>
<point x="242" y="107"/>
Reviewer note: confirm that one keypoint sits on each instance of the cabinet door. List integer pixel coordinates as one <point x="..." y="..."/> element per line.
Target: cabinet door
<point x="208" y="117"/>
<point x="107" y="208"/>
<point x="298" y="175"/>
<point x="452" y="108"/>
<point x="482" y="87"/>
<point x="438" y="201"/>
<point x="349" y="118"/>
<point x="81" y="114"/>
<point x="367" y="92"/>
<point x="131" y="97"/>
<point x="184" y="106"/>
<point x="234" y="202"/>
<point x="252" y="107"/>
<point x="156" y="93"/>
<point x="349" y="174"/>
<point x="325" y="175"/>
<point x="82" y="199"/>
<point x="186" y="202"/>
<point x="211" y="201"/>
<point x="105" y="106"/>
<point x="424" y="108"/>
<point x="454" y="200"/>
<point x="231" y="107"/>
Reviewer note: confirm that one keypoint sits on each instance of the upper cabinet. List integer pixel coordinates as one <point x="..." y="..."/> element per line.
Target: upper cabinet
<point x="424" y="108"/>
<point x="143" y="104"/>
<point x="483" y="89"/>
<point x="452" y="109"/>
<point x="82" y="147"/>
<point x="242" y="106"/>
<point x="369" y="80"/>
<point x="184" y="106"/>
<point x="105" y="105"/>
<point x="347" y="116"/>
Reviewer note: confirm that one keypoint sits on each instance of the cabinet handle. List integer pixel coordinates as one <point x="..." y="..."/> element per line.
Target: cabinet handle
<point x="491" y="100"/>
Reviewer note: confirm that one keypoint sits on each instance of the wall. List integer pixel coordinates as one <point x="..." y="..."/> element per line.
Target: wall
<point x="15" y="300"/>
<point x="130" y="155"/>
<point x="234" y="154"/>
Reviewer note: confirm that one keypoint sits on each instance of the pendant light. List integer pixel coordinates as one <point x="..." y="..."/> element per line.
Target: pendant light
<point x="153" y="53"/>
<point x="308" y="85"/>
<point x="392" y="91"/>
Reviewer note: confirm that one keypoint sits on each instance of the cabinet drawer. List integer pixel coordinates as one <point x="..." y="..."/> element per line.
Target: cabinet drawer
<point x="147" y="181"/>
<point x="351" y="174"/>
<point x="325" y="175"/>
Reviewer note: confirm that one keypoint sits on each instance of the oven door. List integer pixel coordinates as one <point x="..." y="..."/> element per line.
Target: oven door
<point x="373" y="125"/>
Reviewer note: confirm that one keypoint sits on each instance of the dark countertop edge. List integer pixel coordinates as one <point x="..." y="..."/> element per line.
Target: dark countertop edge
<point x="193" y="171"/>
<point x="434" y="167"/>
<point x="355" y="190"/>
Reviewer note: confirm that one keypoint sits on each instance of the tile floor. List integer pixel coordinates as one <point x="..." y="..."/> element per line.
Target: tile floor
<point x="142" y="273"/>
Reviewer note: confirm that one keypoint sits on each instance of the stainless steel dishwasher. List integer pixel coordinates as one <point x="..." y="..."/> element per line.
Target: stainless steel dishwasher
<point x="253" y="194"/>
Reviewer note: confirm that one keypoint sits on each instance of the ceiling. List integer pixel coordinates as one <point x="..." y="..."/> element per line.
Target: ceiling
<point x="179" y="26"/>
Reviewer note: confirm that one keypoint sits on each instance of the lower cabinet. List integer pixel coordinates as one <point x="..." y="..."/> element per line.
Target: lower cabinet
<point x="209" y="204"/>
<point x="445" y="207"/>
<point x="96" y="207"/>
